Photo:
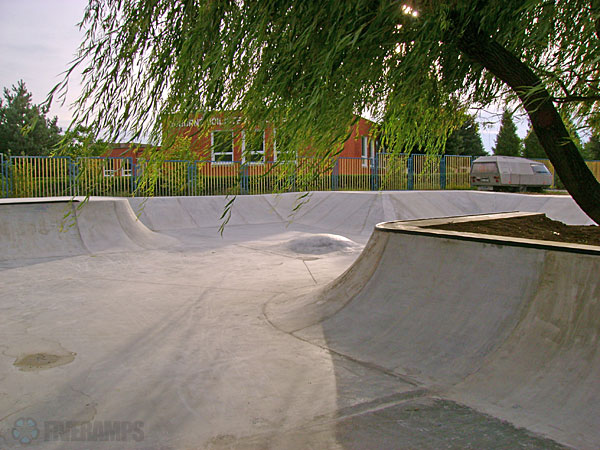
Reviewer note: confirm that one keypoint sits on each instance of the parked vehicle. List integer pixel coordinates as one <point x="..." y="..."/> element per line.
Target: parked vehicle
<point x="509" y="173"/>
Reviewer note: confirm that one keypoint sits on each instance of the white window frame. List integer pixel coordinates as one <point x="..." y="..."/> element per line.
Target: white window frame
<point x="120" y="172"/>
<point x="212" y="147"/>
<point x="373" y="149"/>
<point x="274" y="145"/>
<point x="262" y="152"/>
<point x="364" y="150"/>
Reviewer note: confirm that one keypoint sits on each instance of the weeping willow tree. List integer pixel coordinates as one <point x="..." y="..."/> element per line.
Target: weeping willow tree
<point x="308" y="67"/>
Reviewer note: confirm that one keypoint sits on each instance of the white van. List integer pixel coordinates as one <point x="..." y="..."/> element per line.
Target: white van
<point x="509" y="173"/>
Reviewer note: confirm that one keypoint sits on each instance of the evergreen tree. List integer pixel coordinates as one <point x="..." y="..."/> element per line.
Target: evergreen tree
<point x="465" y="140"/>
<point x="532" y="147"/>
<point x="591" y="149"/>
<point x="508" y="142"/>
<point x="24" y="128"/>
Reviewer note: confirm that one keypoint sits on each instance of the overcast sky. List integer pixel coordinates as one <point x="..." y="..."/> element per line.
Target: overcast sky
<point x="38" y="39"/>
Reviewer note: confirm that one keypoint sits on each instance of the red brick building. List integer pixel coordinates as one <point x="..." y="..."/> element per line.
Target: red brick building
<point x="227" y="143"/>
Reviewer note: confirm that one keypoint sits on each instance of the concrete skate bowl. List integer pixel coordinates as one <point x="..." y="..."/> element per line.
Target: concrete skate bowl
<point x="508" y="327"/>
<point x="165" y="319"/>
<point x="351" y="214"/>
<point x="65" y="227"/>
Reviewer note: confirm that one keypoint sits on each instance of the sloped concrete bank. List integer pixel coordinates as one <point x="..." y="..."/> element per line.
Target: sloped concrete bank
<point x="506" y="326"/>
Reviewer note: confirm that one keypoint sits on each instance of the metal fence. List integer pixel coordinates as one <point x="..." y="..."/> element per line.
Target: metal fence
<point x="39" y="176"/>
<point x="594" y="167"/>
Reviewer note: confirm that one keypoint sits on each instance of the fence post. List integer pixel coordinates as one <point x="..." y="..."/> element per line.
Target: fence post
<point x="10" y="173"/>
<point x="335" y="175"/>
<point x="244" y="180"/>
<point x="443" y="172"/>
<point x="3" y="188"/>
<point x="73" y="172"/>
<point x="134" y="176"/>
<point x="411" y="173"/>
<point x="191" y="178"/>
<point x="132" y="180"/>
<point x="375" y="173"/>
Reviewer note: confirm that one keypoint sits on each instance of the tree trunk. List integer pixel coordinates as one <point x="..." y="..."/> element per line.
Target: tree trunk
<point x="545" y="120"/>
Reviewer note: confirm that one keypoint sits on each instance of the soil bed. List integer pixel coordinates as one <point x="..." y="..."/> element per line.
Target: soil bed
<point x="530" y="227"/>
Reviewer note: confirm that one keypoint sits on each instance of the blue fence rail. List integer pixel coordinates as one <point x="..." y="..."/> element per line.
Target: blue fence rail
<point x="40" y="176"/>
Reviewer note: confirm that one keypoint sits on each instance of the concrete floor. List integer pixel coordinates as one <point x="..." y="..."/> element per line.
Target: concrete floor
<point x="185" y="339"/>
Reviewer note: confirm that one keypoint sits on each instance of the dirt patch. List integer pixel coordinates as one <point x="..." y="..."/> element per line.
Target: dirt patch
<point x="530" y="227"/>
<point x="40" y="361"/>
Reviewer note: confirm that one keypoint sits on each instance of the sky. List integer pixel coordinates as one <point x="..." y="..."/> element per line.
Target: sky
<point x="38" y="39"/>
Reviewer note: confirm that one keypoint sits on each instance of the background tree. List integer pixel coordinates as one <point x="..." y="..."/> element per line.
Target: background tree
<point x="508" y="142"/>
<point x="81" y="142"/>
<point x="24" y="128"/>
<point x="309" y="66"/>
<point x="532" y="147"/>
<point x="591" y="149"/>
<point x="465" y="140"/>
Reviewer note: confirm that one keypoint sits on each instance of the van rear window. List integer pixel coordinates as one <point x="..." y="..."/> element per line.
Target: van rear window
<point x="485" y="167"/>
<point x="539" y="168"/>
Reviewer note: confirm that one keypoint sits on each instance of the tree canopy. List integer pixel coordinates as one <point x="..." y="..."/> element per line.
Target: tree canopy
<point x="532" y="147"/>
<point x="465" y="140"/>
<point x="508" y="142"/>
<point x="591" y="149"/>
<point x="81" y="142"/>
<point x="24" y="128"/>
<point x="415" y="66"/>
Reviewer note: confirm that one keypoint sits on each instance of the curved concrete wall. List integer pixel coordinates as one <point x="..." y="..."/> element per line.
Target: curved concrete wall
<point x="32" y="229"/>
<point x="508" y="328"/>
<point x="354" y="213"/>
<point x="68" y="228"/>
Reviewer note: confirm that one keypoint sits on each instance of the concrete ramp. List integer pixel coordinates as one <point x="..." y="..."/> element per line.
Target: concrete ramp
<point x="51" y="228"/>
<point x="347" y="213"/>
<point x="507" y="326"/>
<point x="33" y="230"/>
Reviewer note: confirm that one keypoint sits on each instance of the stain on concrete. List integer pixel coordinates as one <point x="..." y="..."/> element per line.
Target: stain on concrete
<point x="42" y="361"/>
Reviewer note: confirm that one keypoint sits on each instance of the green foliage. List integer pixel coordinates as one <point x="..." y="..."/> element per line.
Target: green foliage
<point x="591" y="149"/>
<point x="181" y="149"/>
<point x="508" y="142"/>
<point x="465" y="140"/>
<point x="81" y="142"/>
<point x="308" y="67"/>
<point x="532" y="147"/>
<point x="24" y="128"/>
<point x="573" y="132"/>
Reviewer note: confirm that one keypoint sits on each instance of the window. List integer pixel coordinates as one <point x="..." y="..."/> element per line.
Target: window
<point x="540" y="168"/>
<point x="221" y="143"/>
<point x="254" y="146"/>
<point x="485" y="167"/>
<point x="364" y="150"/>
<point x="123" y="171"/>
